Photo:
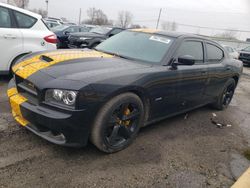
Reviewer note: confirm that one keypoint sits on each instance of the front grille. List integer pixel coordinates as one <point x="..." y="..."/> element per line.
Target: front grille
<point x="245" y="55"/>
<point x="27" y="89"/>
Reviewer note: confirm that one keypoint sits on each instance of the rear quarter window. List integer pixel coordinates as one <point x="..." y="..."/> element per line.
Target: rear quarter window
<point x="24" y="20"/>
<point x="214" y="53"/>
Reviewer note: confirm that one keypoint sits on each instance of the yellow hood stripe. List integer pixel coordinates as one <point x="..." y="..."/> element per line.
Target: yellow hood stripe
<point x="28" y="67"/>
<point x="15" y="101"/>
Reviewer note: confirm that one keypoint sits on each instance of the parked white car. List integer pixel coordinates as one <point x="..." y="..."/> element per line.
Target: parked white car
<point x="232" y="52"/>
<point x="21" y="32"/>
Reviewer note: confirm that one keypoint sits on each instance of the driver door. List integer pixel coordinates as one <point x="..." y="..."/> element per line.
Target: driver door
<point x="191" y="80"/>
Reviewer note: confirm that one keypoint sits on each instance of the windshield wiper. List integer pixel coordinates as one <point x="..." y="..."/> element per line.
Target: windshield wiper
<point x="115" y="54"/>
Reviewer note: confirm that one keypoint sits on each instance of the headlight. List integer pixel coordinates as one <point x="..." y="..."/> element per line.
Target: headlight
<point x="61" y="97"/>
<point x="84" y="38"/>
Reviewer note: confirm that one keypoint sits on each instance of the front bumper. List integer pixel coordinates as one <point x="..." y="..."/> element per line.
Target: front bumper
<point x="67" y="127"/>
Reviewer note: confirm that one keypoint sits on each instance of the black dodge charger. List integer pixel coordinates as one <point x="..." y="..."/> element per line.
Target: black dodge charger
<point x="129" y="81"/>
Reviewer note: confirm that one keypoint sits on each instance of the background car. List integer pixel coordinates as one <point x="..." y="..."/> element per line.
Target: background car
<point x="92" y="38"/>
<point x="51" y="24"/>
<point x="245" y="55"/>
<point x="232" y="52"/>
<point x="21" y="32"/>
<point x="63" y="31"/>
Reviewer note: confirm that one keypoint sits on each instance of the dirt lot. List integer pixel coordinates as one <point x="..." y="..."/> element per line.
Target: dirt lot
<point x="177" y="152"/>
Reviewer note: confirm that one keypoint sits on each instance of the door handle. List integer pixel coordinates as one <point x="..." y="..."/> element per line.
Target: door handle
<point x="203" y="72"/>
<point x="228" y="68"/>
<point x="9" y="36"/>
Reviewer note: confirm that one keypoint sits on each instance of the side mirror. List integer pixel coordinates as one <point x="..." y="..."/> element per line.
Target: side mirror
<point x="186" y="60"/>
<point x="111" y="35"/>
<point x="66" y="32"/>
<point x="183" y="60"/>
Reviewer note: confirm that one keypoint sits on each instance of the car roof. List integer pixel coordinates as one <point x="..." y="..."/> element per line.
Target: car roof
<point x="168" y="33"/>
<point x="38" y="16"/>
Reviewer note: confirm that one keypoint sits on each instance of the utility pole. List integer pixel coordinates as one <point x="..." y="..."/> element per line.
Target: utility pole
<point x="47" y="7"/>
<point x="80" y="16"/>
<point x="23" y="5"/>
<point x="159" y="17"/>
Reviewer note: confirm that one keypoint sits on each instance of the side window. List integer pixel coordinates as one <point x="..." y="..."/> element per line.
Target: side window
<point x="214" y="54"/>
<point x="23" y="20"/>
<point x="84" y="29"/>
<point x="73" y="29"/>
<point x="5" y="20"/>
<point x="192" y="48"/>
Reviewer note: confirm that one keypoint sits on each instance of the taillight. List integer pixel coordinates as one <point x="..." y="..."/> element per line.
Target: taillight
<point x="51" y="39"/>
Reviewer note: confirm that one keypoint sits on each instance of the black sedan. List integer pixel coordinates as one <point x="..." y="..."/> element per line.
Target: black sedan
<point x="245" y="55"/>
<point x="131" y="80"/>
<point x="63" y="31"/>
<point x="92" y="38"/>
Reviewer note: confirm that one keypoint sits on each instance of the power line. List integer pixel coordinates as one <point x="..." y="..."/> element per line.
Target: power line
<point x="200" y="27"/>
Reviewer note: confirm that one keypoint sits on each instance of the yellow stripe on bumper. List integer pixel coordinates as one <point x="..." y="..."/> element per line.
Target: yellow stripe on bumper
<point x="15" y="101"/>
<point x="243" y="181"/>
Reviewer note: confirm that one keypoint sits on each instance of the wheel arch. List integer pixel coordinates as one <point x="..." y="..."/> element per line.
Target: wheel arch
<point x="16" y="59"/>
<point x="140" y="92"/>
<point x="236" y="79"/>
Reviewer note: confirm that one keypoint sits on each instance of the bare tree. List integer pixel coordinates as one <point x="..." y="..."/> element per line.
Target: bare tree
<point x="169" y="26"/>
<point x="91" y="12"/>
<point x="124" y="18"/>
<point x="97" y="17"/>
<point x="229" y="34"/>
<point x="19" y="3"/>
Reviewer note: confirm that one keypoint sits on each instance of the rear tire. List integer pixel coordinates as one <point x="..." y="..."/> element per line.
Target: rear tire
<point x="113" y="129"/>
<point x="226" y="96"/>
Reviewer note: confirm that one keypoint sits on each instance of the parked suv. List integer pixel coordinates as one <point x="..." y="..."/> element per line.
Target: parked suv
<point x="21" y="32"/>
<point x="92" y="38"/>
<point x="245" y="55"/>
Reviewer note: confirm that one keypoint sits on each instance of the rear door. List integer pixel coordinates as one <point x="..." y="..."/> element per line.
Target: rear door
<point x="218" y="70"/>
<point x="11" y="43"/>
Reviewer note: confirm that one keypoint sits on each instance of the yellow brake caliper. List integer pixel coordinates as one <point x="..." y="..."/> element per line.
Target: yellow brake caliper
<point x="126" y="113"/>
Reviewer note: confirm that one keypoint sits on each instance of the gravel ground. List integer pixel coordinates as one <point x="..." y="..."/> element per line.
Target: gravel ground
<point x="178" y="152"/>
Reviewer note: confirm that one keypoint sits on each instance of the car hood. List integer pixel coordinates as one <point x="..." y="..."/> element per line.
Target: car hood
<point x="86" y="34"/>
<point x="78" y="65"/>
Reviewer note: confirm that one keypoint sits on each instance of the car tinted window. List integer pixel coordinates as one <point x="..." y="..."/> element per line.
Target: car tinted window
<point x="84" y="29"/>
<point x="247" y="49"/>
<point x="214" y="54"/>
<point x="5" y="20"/>
<point x="73" y="29"/>
<point x="115" y="31"/>
<point x="24" y="21"/>
<point x="192" y="48"/>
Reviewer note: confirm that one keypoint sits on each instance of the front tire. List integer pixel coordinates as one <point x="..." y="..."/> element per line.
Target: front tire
<point x="117" y="123"/>
<point x="226" y="96"/>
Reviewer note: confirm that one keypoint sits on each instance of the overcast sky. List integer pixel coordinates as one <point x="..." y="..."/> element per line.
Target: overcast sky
<point x="228" y="14"/>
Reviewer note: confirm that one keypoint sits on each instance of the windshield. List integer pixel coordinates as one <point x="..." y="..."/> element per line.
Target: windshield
<point x="136" y="45"/>
<point x="247" y="49"/>
<point x="59" y="27"/>
<point x="100" y="30"/>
